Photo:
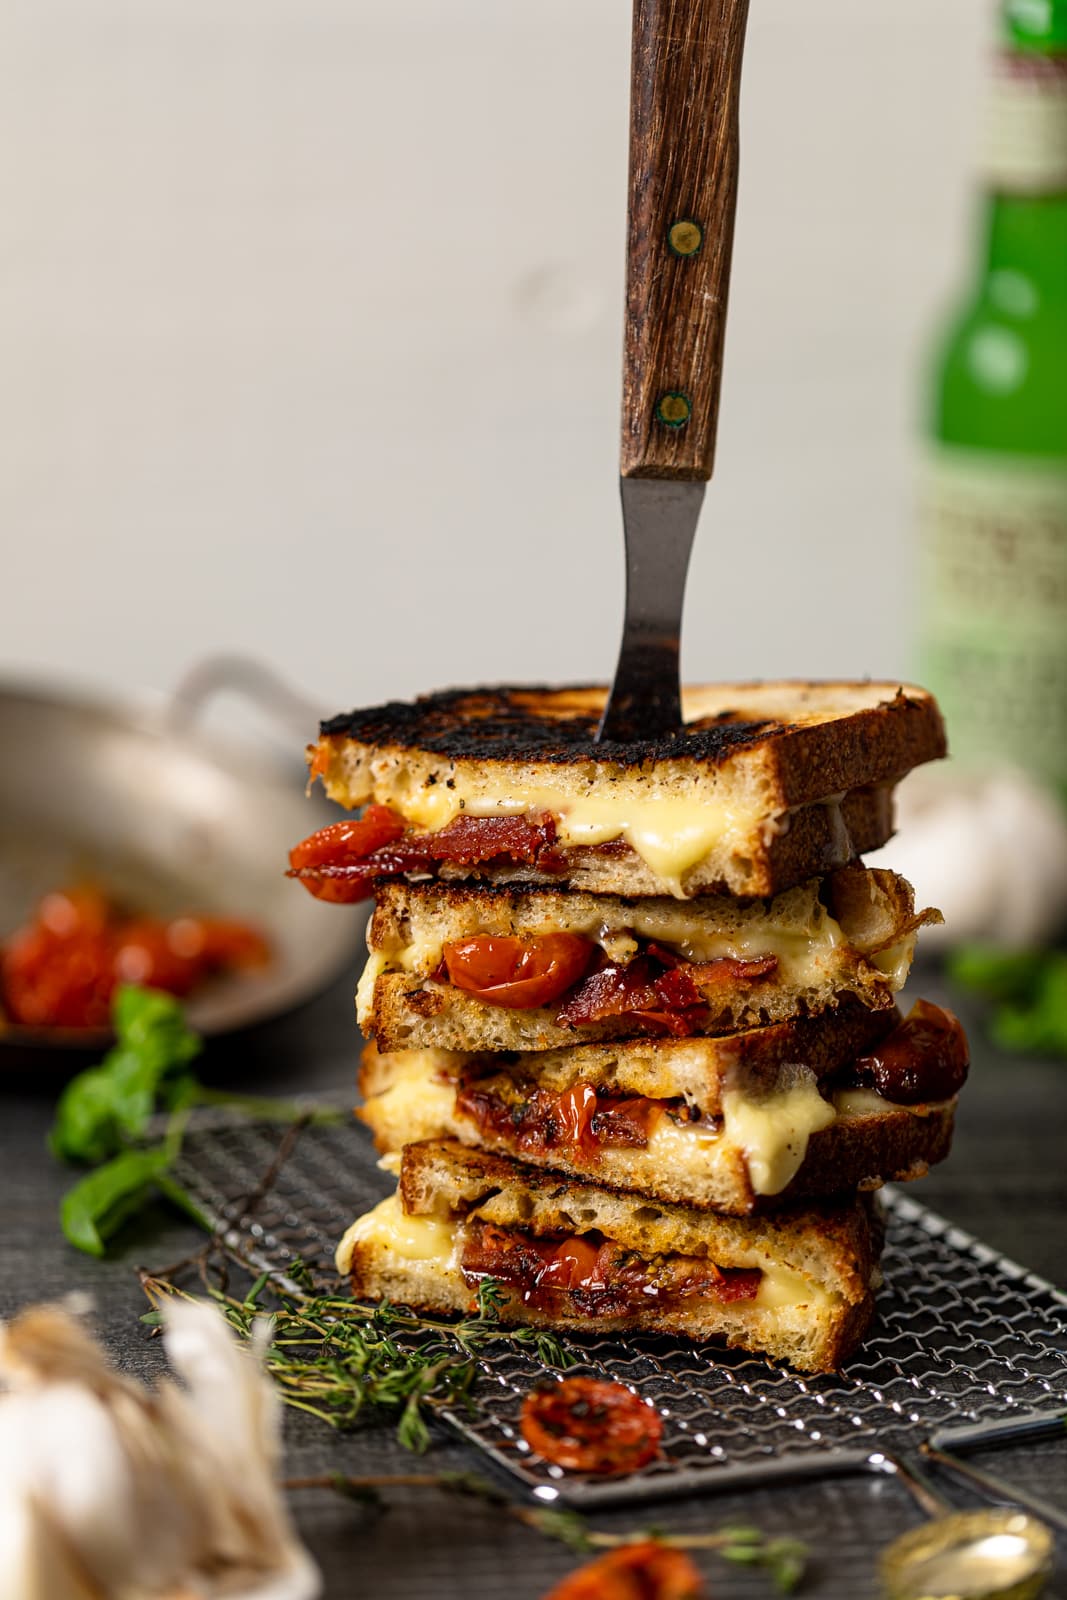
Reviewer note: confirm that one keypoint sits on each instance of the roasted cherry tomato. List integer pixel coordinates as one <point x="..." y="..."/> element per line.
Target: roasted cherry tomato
<point x="343" y="843"/>
<point x="49" y="981"/>
<point x="645" y="1571"/>
<point x="574" y="1110"/>
<point x="587" y="1425"/>
<point x="573" y="1265"/>
<point x="517" y="973"/>
<point x="925" y="1058"/>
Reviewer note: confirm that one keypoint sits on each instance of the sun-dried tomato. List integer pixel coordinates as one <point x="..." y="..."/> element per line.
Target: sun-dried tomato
<point x="646" y="1571"/>
<point x="342" y="862"/>
<point x="635" y="1572"/>
<point x="589" y="1425"/>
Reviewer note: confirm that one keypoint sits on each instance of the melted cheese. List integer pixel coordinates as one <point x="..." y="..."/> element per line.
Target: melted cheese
<point x="377" y="963"/>
<point x="416" y="1105"/>
<point x="669" y="833"/>
<point x="695" y="1144"/>
<point x="869" y="1103"/>
<point x="773" y="1132"/>
<point x="782" y="1289"/>
<point x="895" y="963"/>
<point x="388" y="1227"/>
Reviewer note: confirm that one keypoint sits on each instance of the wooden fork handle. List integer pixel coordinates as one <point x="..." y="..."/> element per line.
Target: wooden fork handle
<point x="685" y="91"/>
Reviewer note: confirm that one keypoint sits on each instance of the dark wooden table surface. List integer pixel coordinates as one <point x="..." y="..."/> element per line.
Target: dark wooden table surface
<point x="1006" y="1181"/>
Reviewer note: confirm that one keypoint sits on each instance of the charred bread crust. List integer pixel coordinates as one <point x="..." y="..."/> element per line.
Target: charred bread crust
<point x="816" y="738"/>
<point x="863" y="1152"/>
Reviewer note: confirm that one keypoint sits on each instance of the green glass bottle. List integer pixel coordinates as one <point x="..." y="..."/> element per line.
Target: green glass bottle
<point x="993" y="561"/>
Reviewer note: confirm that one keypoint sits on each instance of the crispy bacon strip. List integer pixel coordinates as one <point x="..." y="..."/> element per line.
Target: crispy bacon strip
<point x="664" y="1002"/>
<point x="469" y="841"/>
<point x="726" y="970"/>
<point x="333" y="864"/>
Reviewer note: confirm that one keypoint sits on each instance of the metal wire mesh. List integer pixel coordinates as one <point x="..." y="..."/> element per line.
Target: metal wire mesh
<point x="962" y="1336"/>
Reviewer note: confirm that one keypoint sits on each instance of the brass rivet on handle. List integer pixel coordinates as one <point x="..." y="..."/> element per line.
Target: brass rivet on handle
<point x="673" y="409"/>
<point x="685" y="237"/>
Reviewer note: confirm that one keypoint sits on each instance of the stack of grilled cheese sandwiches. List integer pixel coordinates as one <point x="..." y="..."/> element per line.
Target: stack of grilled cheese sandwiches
<point x="636" y="1050"/>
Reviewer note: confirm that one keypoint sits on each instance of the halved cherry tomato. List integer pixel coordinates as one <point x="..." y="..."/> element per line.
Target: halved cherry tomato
<point x="345" y="842"/>
<point x="588" y="1425"/>
<point x="517" y="973"/>
<point x="574" y="1110"/>
<point x="645" y="1571"/>
<point x="925" y="1058"/>
<point x="573" y="1266"/>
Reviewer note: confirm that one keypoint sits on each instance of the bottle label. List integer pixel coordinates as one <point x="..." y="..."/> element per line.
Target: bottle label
<point x="993" y="606"/>
<point x="1026" y="128"/>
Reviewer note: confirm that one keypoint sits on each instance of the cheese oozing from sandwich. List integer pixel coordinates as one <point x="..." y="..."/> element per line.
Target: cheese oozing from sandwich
<point x="388" y="1226"/>
<point x="773" y="1132"/>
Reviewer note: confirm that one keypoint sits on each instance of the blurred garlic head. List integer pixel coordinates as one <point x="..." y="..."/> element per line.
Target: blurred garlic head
<point x="988" y="848"/>
<point x="110" y="1492"/>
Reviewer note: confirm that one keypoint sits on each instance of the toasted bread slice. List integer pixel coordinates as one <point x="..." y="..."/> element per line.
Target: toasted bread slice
<point x="769" y="783"/>
<point x="762" y="1149"/>
<point x="750" y="962"/>
<point x="796" y="1286"/>
<point x="694" y="1070"/>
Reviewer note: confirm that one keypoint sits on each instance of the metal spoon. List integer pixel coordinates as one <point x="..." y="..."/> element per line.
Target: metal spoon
<point x="683" y="193"/>
<point x="996" y="1553"/>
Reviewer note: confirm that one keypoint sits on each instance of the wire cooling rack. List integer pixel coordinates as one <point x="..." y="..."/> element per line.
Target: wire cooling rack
<point x="964" y="1340"/>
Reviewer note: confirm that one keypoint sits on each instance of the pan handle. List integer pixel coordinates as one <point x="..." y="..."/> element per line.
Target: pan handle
<point x="290" y="710"/>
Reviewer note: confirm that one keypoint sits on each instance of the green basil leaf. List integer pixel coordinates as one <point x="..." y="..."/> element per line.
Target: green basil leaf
<point x="110" y="1105"/>
<point x="1039" y="1027"/>
<point x="99" y="1203"/>
<point x="85" y="1126"/>
<point x="1006" y="975"/>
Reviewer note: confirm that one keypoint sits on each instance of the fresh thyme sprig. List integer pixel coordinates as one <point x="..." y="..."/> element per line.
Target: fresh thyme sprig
<point x="783" y="1559"/>
<point x="339" y="1360"/>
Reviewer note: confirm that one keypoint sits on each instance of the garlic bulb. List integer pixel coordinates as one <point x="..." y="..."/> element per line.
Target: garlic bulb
<point x="989" y="849"/>
<point x="109" y="1492"/>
